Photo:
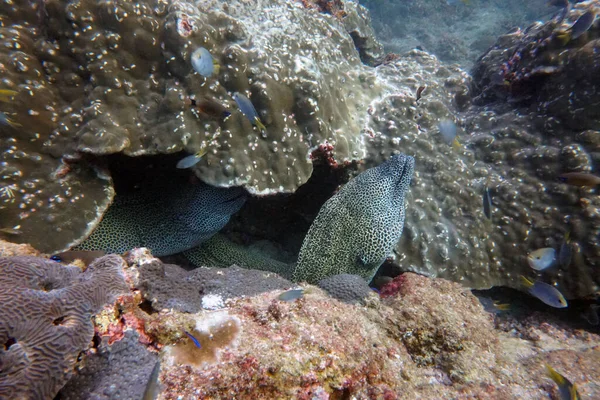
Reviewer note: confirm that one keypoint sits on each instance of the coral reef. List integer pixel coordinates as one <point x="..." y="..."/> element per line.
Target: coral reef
<point x="46" y="200"/>
<point x="427" y="338"/>
<point x="348" y="288"/>
<point x="119" y="370"/>
<point x="446" y="233"/>
<point x="543" y="69"/>
<point x="167" y="220"/>
<point x="127" y="91"/>
<point x="45" y="319"/>
<point x="357" y="228"/>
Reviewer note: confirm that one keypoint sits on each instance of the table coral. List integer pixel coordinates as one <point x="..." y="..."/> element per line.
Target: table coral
<point x="357" y="228"/>
<point x="45" y="319"/>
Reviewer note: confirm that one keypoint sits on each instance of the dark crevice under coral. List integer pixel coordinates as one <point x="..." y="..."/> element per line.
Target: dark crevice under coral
<point x="288" y="215"/>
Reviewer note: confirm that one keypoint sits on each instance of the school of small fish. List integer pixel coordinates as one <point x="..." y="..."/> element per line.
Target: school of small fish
<point x="206" y="65"/>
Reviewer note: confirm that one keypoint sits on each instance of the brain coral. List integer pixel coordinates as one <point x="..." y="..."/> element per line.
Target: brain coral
<point x="45" y="320"/>
<point x="357" y="228"/>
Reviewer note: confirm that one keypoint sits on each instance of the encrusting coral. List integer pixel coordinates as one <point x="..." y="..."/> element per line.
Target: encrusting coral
<point x="45" y="319"/>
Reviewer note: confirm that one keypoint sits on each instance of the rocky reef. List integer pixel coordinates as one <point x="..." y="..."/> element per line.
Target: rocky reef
<point x="423" y="338"/>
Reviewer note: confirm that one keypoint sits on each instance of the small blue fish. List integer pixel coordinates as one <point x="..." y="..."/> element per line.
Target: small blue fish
<point x="5" y="120"/>
<point x="492" y="306"/>
<point x="566" y="389"/>
<point x="582" y="24"/>
<point x="291" y="295"/>
<point x="448" y="131"/>
<point x="546" y="293"/>
<point x="565" y="254"/>
<point x="193" y="339"/>
<point x="541" y="259"/>
<point x="248" y="110"/>
<point x="191" y="160"/>
<point x="204" y="63"/>
<point x="487" y="203"/>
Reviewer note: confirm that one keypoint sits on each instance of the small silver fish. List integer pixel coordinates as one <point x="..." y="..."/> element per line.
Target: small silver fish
<point x="70" y="256"/>
<point x="248" y="110"/>
<point x="581" y="179"/>
<point x="5" y="120"/>
<point x="541" y="259"/>
<point x="546" y="293"/>
<point x="291" y="295"/>
<point x="582" y="24"/>
<point x="448" y="131"/>
<point x="7" y="95"/>
<point x="492" y="306"/>
<point x="11" y="231"/>
<point x="487" y="203"/>
<point x="204" y="63"/>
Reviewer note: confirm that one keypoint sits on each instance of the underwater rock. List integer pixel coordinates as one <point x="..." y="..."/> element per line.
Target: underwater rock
<point x="168" y="219"/>
<point x="8" y="249"/>
<point x="357" y="228"/>
<point x="429" y="338"/>
<point x="119" y="77"/>
<point x="544" y="69"/>
<point x="446" y="233"/>
<point x="456" y="31"/>
<point x="45" y="319"/>
<point x="120" y="369"/>
<point x="348" y="288"/>
<point x="169" y="286"/>
<point x="45" y="200"/>
<point x="432" y="339"/>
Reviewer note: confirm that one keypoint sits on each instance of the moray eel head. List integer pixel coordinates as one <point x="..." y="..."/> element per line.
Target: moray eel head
<point x="358" y="227"/>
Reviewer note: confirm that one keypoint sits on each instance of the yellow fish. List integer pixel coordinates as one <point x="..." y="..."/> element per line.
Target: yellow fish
<point x="7" y="95"/>
<point x="567" y="390"/>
